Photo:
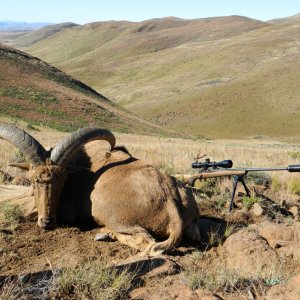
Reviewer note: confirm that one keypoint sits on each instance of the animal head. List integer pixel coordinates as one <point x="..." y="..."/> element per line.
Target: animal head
<point x="48" y="170"/>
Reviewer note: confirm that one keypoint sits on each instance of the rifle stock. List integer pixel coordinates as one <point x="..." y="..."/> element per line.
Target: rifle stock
<point x="190" y="179"/>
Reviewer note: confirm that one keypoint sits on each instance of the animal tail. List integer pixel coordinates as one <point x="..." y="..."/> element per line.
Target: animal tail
<point x="176" y="232"/>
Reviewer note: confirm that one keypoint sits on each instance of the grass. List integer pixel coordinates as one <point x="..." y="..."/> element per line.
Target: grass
<point x="93" y="281"/>
<point x="217" y="237"/>
<point x="34" y="92"/>
<point x="29" y="93"/>
<point x="219" y="278"/>
<point x="209" y="87"/>
<point x="12" y="215"/>
<point x="176" y="155"/>
<point x="215" y="280"/>
<point x="249" y="201"/>
<point x="89" y="280"/>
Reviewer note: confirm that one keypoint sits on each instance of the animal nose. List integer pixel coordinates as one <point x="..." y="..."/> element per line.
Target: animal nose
<point x="47" y="223"/>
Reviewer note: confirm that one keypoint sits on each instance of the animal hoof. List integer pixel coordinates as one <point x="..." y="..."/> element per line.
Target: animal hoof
<point x="101" y="237"/>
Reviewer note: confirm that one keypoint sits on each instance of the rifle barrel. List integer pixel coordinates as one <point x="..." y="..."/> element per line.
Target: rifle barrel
<point x="290" y="168"/>
<point x="260" y="169"/>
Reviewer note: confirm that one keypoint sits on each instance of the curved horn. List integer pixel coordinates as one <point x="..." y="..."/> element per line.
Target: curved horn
<point x="64" y="151"/>
<point x="29" y="146"/>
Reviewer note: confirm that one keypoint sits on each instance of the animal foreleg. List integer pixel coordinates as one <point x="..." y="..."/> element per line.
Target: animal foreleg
<point x="137" y="237"/>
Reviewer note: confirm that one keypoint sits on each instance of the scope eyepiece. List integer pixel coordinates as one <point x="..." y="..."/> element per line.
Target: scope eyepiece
<point x="226" y="164"/>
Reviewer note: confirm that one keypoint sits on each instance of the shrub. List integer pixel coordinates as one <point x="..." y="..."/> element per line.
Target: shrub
<point x="12" y="215"/>
<point x="259" y="178"/>
<point x="249" y="201"/>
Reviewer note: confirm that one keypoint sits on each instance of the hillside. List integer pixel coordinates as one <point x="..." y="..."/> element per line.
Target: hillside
<point x="39" y="94"/>
<point x="226" y="77"/>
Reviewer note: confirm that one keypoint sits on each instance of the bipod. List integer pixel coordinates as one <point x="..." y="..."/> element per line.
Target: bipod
<point x="236" y="179"/>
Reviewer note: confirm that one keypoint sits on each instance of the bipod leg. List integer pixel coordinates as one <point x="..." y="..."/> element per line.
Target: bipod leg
<point x="245" y="186"/>
<point x="235" y="182"/>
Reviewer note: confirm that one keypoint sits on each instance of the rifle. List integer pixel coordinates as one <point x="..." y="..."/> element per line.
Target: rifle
<point x="214" y="169"/>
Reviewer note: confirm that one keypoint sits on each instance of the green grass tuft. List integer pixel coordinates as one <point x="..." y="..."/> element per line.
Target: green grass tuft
<point x="91" y="280"/>
<point x="249" y="201"/>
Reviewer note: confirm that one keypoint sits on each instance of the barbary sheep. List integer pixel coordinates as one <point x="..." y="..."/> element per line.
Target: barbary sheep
<point x="131" y="200"/>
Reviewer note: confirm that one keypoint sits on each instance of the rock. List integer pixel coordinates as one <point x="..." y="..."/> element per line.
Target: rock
<point x="205" y="295"/>
<point x="178" y="291"/>
<point x="101" y="237"/>
<point x="284" y="238"/>
<point x="280" y="232"/>
<point x="257" y="210"/>
<point x="248" y="253"/>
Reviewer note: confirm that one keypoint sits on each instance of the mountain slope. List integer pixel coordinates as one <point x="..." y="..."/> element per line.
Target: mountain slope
<point x="39" y="94"/>
<point x="119" y="40"/>
<point x="229" y="77"/>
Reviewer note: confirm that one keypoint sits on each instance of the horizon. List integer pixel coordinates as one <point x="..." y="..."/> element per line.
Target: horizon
<point x="35" y="11"/>
<point x="120" y="20"/>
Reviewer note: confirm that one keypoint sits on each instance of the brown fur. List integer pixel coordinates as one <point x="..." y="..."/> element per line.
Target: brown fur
<point x="134" y="202"/>
<point x="47" y="183"/>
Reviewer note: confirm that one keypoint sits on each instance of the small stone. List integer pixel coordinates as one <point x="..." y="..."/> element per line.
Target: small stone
<point x="295" y="211"/>
<point x="101" y="237"/>
<point x="257" y="209"/>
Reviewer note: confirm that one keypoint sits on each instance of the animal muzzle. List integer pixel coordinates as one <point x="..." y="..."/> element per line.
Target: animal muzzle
<point x="47" y="223"/>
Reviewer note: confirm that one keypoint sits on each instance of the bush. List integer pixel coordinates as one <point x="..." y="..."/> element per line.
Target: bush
<point x="249" y="201"/>
<point x="12" y="213"/>
<point x="259" y="178"/>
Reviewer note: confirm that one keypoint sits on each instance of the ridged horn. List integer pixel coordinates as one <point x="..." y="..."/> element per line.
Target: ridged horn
<point x="28" y="145"/>
<point x="68" y="146"/>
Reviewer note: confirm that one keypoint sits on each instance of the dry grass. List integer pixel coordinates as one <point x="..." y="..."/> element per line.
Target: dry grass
<point x="175" y="155"/>
<point x="219" y="278"/>
<point x="89" y="280"/>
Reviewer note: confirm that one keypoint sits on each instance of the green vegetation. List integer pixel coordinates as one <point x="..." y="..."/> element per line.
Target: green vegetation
<point x="259" y="178"/>
<point x="28" y="93"/>
<point x="295" y="186"/>
<point x="249" y="201"/>
<point x="221" y="279"/>
<point x="12" y="215"/>
<point x="91" y="280"/>
<point x="218" y="236"/>
<point x="214" y="279"/>
<point x="196" y="78"/>
<point x="294" y="154"/>
<point x="292" y="186"/>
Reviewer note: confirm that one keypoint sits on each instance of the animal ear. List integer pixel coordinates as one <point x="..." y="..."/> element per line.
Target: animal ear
<point x="24" y="166"/>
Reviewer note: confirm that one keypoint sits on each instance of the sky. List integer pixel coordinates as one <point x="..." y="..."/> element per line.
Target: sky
<point x="86" y="11"/>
